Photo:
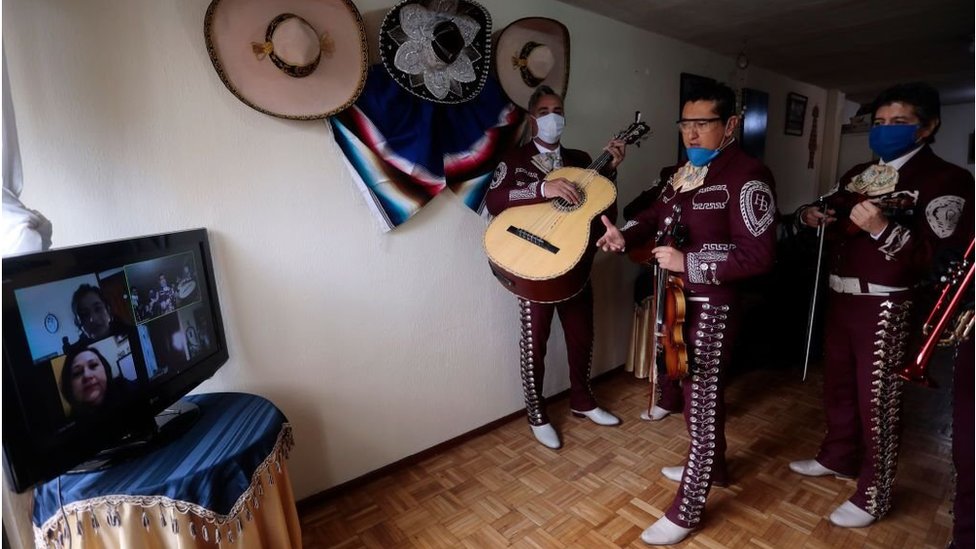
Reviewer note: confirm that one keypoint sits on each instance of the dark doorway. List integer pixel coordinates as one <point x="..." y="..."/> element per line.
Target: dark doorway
<point x="755" y="106"/>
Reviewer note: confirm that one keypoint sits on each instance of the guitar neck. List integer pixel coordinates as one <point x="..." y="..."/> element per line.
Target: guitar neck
<point x="600" y="162"/>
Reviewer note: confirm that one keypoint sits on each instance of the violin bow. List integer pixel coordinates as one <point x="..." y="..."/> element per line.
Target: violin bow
<point x="660" y="281"/>
<point x="655" y="329"/>
<point x="821" y="231"/>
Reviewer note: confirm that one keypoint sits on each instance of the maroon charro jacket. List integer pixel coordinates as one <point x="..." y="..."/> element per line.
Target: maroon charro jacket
<point x="517" y="180"/>
<point x="731" y="220"/>
<point x="907" y="249"/>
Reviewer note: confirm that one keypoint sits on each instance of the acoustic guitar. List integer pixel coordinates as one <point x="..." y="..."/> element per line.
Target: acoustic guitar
<point x="542" y="252"/>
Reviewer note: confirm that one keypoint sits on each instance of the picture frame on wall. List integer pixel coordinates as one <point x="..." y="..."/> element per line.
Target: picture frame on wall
<point x="796" y="113"/>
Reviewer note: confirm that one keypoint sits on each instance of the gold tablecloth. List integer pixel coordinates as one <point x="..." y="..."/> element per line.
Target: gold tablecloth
<point x="263" y="515"/>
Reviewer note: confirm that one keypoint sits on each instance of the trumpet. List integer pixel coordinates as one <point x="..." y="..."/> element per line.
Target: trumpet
<point x="957" y="283"/>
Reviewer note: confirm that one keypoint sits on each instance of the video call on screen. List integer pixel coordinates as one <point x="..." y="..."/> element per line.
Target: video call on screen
<point x="97" y="338"/>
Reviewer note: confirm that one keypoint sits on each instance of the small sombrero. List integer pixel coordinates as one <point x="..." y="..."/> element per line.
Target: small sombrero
<point x="297" y="59"/>
<point x="439" y="50"/>
<point x="531" y="52"/>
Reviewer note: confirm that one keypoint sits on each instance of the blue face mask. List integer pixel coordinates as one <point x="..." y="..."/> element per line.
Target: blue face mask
<point x="890" y="142"/>
<point x="699" y="156"/>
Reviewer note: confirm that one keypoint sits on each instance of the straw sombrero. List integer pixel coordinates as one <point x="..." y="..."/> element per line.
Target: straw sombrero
<point x="531" y="52"/>
<point x="297" y="59"/>
<point x="439" y="50"/>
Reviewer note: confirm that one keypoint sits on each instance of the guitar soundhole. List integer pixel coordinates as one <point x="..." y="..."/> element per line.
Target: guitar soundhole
<point x="562" y="205"/>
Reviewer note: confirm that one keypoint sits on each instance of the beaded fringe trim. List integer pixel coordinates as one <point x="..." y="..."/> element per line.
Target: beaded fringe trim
<point x="104" y="510"/>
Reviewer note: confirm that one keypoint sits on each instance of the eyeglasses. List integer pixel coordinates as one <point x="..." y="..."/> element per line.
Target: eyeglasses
<point x="686" y="125"/>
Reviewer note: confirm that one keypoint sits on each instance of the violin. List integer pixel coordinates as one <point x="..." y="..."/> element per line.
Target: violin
<point x="671" y="306"/>
<point x="895" y="208"/>
<point x="669" y="303"/>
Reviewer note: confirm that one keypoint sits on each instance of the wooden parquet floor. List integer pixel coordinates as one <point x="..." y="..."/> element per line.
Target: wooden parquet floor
<point x="503" y="489"/>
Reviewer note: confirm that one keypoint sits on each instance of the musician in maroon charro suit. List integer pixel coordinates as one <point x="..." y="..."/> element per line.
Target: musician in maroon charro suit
<point x="519" y="180"/>
<point x="873" y="273"/>
<point x="726" y="201"/>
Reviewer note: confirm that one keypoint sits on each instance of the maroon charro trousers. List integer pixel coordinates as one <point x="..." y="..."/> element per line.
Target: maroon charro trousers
<point x="710" y="330"/>
<point x="865" y="347"/>
<point x="576" y="317"/>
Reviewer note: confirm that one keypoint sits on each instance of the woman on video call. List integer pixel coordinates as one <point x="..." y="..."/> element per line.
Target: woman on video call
<point x="87" y="383"/>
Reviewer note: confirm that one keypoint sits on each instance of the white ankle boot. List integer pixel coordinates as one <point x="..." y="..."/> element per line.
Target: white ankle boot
<point x="849" y="515"/>
<point x="599" y="416"/>
<point x="547" y="435"/>
<point x="813" y="468"/>
<point x="656" y="414"/>
<point x="673" y="473"/>
<point x="664" y="532"/>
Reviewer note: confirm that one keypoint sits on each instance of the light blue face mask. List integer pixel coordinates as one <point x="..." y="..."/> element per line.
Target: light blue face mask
<point x="700" y="156"/>
<point x="892" y="141"/>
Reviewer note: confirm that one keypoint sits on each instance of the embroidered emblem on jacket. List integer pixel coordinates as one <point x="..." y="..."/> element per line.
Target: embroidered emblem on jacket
<point x="713" y="197"/>
<point x="500" y="172"/>
<point x="943" y="214"/>
<point x="757" y="207"/>
<point x="895" y="242"/>
<point x="717" y="247"/>
<point x="529" y="192"/>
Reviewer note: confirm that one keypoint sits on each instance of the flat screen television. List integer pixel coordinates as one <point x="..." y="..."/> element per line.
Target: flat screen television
<point x="99" y="341"/>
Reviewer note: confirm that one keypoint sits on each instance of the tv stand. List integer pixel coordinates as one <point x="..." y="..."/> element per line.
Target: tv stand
<point x="167" y="425"/>
<point x="223" y="480"/>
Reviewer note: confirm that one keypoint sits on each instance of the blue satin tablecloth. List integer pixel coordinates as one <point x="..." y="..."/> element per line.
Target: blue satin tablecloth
<point x="211" y="478"/>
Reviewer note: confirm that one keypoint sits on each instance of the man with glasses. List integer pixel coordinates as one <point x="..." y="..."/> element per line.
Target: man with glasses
<point x="724" y="197"/>
<point x="874" y="270"/>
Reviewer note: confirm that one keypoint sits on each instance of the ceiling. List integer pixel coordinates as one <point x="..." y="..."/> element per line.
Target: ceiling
<point x="858" y="47"/>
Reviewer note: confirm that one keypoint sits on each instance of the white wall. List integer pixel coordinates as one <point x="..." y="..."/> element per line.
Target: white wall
<point x="854" y="150"/>
<point x="787" y="155"/>
<point x="376" y="346"/>
<point x="952" y="142"/>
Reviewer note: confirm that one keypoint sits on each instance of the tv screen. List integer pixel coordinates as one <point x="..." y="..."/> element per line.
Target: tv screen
<point x="97" y="340"/>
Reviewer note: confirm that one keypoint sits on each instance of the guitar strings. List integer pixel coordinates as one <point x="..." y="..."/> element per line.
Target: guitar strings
<point x="549" y="222"/>
<point x="546" y="224"/>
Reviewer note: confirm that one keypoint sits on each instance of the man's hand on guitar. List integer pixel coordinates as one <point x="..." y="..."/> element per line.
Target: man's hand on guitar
<point x="867" y="215"/>
<point x="618" y="150"/>
<point x="813" y="217"/>
<point x="561" y="187"/>
<point x="669" y="258"/>
<point x="613" y="239"/>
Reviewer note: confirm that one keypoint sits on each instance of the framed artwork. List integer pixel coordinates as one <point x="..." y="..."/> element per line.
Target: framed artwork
<point x="796" y="112"/>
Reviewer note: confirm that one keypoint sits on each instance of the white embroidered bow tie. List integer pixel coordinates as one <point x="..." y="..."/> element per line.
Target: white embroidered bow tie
<point x="689" y="177"/>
